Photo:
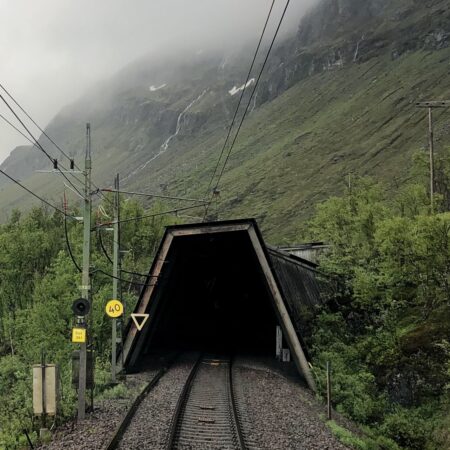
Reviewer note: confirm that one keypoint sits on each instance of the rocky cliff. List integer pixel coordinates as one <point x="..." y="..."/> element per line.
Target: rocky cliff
<point x="336" y="98"/>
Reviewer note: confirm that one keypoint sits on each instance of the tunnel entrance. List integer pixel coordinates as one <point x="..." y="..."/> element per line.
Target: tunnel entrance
<point x="217" y="287"/>
<point x="216" y="298"/>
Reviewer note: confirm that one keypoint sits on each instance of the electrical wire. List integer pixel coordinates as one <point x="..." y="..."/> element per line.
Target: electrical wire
<point x="48" y="137"/>
<point x="131" y="219"/>
<point x="123" y="280"/>
<point x="40" y="129"/>
<point x="100" y="239"/>
<point x="145" y="194"/>
<point x="35" y="195"/>
<point x="31" y="142"/>
<point x="37" y="143"/>
<point x="69" y="248"/>
<point x="105" y="252"/>
<point x="248" y="103"/>
<point x="241" y="96"/>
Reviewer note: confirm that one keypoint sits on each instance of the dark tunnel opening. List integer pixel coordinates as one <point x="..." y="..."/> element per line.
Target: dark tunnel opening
<point x="213" y="297"/>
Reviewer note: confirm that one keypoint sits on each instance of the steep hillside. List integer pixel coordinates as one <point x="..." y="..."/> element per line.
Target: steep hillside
<point x="337" y="98"/>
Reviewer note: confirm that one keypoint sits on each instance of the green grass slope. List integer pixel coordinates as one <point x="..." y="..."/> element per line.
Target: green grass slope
<point x="323" y="113"/>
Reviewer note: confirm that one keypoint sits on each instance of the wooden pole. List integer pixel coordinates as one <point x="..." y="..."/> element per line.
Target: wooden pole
<point x="431" y="145"/>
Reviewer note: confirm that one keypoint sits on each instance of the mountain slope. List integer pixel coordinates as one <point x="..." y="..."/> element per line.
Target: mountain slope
<point x="337" y="98"/>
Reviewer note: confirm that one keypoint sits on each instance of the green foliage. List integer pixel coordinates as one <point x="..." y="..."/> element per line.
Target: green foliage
<point x="38" y="284"/>
<point x="118" y="391"/>
<point x="385" y="326"/>
<point x="366" y="442"/>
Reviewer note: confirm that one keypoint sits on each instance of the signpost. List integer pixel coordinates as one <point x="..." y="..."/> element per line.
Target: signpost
<point x="139" y="320"/>
<point x="114" y="309"/>
<point x="79" y="335"/>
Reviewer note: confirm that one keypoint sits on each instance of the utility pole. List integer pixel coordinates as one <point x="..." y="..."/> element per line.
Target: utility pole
<point x="85" y="281"/>
<point x="430" y="105"/>
<point x="116" y="263"/>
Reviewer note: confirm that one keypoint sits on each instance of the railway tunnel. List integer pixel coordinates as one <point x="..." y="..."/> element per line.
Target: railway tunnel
<point x="218" y="288"/>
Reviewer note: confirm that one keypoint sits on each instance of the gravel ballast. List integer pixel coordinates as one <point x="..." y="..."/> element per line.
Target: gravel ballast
<point x="150" y="426"/>
<point x="279" y="412"/>
<point x="276" y="411"/>
<point x="95" y="431"/>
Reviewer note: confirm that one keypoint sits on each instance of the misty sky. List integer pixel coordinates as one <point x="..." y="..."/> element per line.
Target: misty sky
<point x="52" y="50"/>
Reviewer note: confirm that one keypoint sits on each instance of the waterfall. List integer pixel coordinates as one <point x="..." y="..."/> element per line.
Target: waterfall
<point x="166" y="143"/>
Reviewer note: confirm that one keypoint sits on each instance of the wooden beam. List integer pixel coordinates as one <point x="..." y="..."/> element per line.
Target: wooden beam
<point x="285" y="320"/>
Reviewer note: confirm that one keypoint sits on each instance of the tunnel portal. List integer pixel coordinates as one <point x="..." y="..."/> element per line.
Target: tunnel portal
<point x="218" y="288"/>
<point x="215" y="298"/>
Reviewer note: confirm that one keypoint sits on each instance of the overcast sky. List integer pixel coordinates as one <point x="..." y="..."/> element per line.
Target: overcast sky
<point x="52" y="50"/>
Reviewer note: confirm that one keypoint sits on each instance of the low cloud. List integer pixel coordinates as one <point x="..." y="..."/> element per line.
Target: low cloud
<point x="51" y="51"/>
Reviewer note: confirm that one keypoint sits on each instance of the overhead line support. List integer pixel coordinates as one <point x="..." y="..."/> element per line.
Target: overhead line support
<point x="430" y="105"/>
<point x="85" y="280"/>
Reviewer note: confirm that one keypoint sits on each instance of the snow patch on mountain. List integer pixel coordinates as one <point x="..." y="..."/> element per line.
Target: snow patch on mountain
<point x="236" y="89"/>
<point x="157" y="88"/>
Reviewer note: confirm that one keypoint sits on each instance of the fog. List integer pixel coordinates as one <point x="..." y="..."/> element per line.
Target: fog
<point x="53" y="50"/>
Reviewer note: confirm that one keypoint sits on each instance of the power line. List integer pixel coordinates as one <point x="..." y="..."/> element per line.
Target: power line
<point x="131" y="219"/>
<point x="46" y="135"/>
<point x="69" y="248"/>
<point x="37" y="143"/>
<point x="144" y="194"/>
<point x="100" y="239"/>
<point x="33" y="194"/>
<point x="241" y="96"/>
<point x="40" y="129"/>
<point x="126" y="281"/>
<point x="111" y="261"/>
<point x="30" y="141"/>
<point x="249" y="102"/>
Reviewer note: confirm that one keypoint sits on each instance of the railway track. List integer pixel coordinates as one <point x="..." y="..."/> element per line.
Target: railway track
<point x="206" y="416"/>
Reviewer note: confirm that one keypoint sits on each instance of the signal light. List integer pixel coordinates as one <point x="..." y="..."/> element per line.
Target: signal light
<point x="81" y="307"/>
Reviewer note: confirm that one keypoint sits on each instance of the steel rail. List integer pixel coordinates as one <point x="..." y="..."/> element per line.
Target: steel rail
<point x="128" y="417"/>
<point x="183" y="410"/>
<point x="234" y="408"/>
<point x="180" y="404"/>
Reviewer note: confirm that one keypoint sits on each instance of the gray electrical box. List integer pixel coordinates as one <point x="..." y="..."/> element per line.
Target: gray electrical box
<point x="45" y="389"/>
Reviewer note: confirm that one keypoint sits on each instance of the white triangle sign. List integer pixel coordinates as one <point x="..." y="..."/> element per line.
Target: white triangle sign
<point x="139" y="320"/>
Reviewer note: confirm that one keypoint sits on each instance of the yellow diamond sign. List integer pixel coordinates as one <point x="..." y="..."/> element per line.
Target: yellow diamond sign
<point x="114" y="308"/>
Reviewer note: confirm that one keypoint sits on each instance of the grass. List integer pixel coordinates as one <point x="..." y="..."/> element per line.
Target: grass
<point x="369" y="442"/>
<point x="292" y="153"/>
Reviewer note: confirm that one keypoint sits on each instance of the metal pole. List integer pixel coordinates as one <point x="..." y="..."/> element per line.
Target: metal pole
<point x="85" y="281"/>
<point x="431" y="143"/>
<point x="328" y="390"/>
<point x="116" y="253"/>
<point x="43" y="417"/>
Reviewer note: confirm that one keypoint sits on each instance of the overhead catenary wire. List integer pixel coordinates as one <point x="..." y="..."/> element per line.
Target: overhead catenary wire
<point x="31" y="142"/>
<point x="47" y="136"/>
<point x="105" y="252"/>
<point x="145" y="216"/>
<point x="145" y="194"/>
<point x="248" y="103"/>
<point x="35" y="195"/>
<point x="137" y="283"/>
<point x="37" y="126"/>
<point x="37" y="143"/>
<point x="241" y="96"/>
<point x="69" y="247"/>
